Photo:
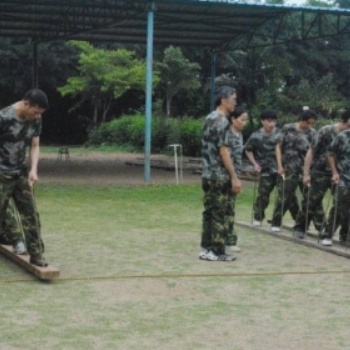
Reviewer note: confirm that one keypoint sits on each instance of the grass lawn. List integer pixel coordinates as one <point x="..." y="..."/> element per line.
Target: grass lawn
<point x="131" y="279"/>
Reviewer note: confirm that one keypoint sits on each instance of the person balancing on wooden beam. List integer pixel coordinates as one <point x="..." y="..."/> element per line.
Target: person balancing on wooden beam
<point x="20" y="127"/>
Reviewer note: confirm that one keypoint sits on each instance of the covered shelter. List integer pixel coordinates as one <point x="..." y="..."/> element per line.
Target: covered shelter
<point x="216" y="24"/>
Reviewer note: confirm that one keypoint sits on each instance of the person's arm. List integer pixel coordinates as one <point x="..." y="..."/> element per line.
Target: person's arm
<point x="227" y="161"/>
<point x="250" y="156"/>
<point x="280" y="168"/>
<point x="34" y="160"/>
<point x="307" y="165"/>
<point x="332" y="164"/>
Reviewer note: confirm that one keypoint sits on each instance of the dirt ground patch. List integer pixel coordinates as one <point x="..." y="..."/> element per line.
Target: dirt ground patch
<point x="106" y="169"/>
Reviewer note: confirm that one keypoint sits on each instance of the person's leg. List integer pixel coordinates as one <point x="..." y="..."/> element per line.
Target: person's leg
<point x="286" y="190"/>
<point x="266" y="186"/>
<point x="6" y="188"/>
<point x="341" y="203"/>
<point x="232" y="238"/>
<point x="24" y="200"/>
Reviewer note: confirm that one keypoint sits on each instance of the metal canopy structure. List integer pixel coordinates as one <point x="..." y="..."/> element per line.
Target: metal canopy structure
<point x="211" y="23"/>
<point x="216" y="24"/>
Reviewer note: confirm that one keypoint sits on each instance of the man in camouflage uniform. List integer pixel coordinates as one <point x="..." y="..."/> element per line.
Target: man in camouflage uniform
<point x="321" y="178"/>
<point x="260" y="149"/>
<point x="339" y="161"/>
<point x="293" y="144"/>
<point x="218" y="178"/>
<point x="237" y="119"/>
<point x="20" y="127"/>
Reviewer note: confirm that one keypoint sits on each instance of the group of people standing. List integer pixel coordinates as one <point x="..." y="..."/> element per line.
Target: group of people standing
<point x="295" y="156"/>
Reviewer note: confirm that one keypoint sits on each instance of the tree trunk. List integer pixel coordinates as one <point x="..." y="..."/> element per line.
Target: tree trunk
<point x="168" y="105"/>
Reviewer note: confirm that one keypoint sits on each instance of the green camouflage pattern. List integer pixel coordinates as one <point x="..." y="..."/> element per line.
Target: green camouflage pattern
<point x="286" y="198"/>
<point x="218" y="216"/>
<point x="263" y="147"/>
<point x="235" y="142"/>
<point x="10" y="232"/>
<point x="294" y="145"/>
<point x="215" y="127"/>
<point x="339" y="215"/>
<point x="15" y="135"/>
<point x="17" y="187"/>
<point x="340" y="149"/>
<point x="320" y="145"/>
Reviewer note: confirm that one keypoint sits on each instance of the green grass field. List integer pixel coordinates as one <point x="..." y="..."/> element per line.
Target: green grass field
<point x="131" y="279"/>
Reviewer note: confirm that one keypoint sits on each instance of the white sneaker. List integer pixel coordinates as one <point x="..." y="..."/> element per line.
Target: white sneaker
<point x="326" y="242"/>
<point x="203" y="253"/>
<point x="275" y="229"/>
<point x="19" y="248"/>
<point x="233" y="248"/>
<point x="256" y="223"/>
<point x="208" y="255"/>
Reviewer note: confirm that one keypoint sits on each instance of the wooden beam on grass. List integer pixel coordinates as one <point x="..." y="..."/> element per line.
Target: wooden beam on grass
<point x="43" y="273"/>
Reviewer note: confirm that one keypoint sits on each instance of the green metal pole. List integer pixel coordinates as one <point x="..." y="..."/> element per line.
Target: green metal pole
<point x="149" y="83"/>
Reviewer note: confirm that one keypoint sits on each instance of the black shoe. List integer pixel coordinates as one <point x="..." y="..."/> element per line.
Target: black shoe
<point x="38" y="260"/>
<point x="298" y="234"/>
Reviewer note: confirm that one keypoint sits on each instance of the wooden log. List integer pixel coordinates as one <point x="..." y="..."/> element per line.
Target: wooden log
<point x="310" y="240"/>
<point x="43" y="273"/>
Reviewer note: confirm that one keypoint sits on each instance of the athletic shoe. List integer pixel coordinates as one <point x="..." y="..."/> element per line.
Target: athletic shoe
<point x="210" y="256"/>
<point x="326" y="242"/>
<point x="233" y="248"/>
<point x="275" y="229"/>
<point x="203" y="253"/>
<point x="19" y="248"/>
<point x="256" y="223"/>
<point x="38" y="260"/>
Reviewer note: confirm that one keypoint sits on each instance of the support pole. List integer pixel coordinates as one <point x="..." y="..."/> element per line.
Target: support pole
<point x="35" y="80"/>
<point x="149" y="83"/>
<point x="212" y="80"/>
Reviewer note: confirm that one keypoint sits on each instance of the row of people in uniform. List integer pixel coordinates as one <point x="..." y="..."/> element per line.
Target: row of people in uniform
<point x="295" y="156"/>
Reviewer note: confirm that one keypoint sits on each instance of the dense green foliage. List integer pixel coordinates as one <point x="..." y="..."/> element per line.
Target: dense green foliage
<point x="129" y="131"/>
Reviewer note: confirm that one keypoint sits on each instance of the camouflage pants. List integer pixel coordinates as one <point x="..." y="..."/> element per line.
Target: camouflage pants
<point x="10" y="232"/>
<point x="339" y="214"/>
<point x="17" y="187"/>
<point x="312" y="206"/>
<point x="286" y="198"/>
<point x="218" y="216"/>
<point x="266" y="185"/>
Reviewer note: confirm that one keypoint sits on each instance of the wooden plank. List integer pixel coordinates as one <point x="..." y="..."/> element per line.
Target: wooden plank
<point x="44" y="273"/>
<point x="310" y="239"/>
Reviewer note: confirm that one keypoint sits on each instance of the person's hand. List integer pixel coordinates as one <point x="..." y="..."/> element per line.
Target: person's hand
<point x="257" y="168"/>
<point x="32" y="177"/>
<point x="335" y="178"/>
<point x="307" y="180"/>
<point x="280" y="171"/>
<point x="236" y="185"/>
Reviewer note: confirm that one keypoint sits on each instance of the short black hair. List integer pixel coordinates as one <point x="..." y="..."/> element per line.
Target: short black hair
<point x="37" y="97"/>
<point x="307" y="114"/>
<point x="345" y="116"/>
<point x="223" y="92"/>
<point x="268" y="114"/>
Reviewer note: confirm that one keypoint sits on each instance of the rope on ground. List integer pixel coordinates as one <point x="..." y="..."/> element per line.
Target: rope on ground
<point x="162" y="276"/>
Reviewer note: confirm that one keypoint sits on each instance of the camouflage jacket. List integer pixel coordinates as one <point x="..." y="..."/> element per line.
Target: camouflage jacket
<point x="215" y="129"/>
<point x="263" y="147"/>
<point x="340" y="149"/>
<point x="294" y="145"/>
<point x="235" y="142"/>
<point x="15" y="136"/>
<point x="320" y="145"/>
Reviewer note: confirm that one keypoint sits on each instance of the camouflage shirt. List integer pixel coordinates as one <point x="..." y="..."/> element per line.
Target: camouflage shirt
<point x="263" y="147"/>
<point x="215" y="128"/>
<point x="15" y="136"/>
<point x="294" y="145"/>
<point x="320" y="145"/>
<point x="340" y="148"/>
<point x="235" y="142"/>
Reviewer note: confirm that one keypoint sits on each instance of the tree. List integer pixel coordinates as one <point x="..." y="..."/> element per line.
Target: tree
<point x="104" y="75"/>
<point x="177" y="73"/>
